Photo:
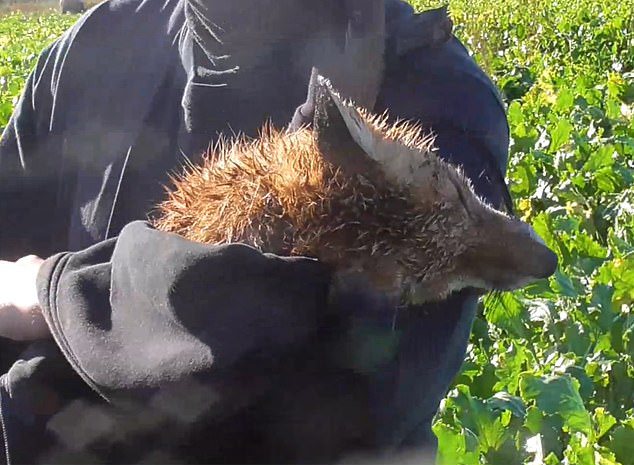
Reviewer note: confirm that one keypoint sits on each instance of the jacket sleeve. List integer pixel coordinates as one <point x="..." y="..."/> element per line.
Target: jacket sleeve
<point x="30" y="167"/>
<point x="148" y="307"/>
<point x="74" y="125"/>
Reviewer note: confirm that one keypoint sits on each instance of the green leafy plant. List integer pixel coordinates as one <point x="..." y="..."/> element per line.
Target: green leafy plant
<point x="22" y="38"/>
<point x="549" y="377"/>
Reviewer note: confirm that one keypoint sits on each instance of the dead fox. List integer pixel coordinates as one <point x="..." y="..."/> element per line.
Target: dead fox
<point x="362" y="195"/>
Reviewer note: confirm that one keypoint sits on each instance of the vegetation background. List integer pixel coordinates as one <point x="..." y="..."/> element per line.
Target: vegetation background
<point x="549" y="373"/>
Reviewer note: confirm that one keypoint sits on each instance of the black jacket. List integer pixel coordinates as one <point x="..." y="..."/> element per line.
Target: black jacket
<point x="201" y="353"/>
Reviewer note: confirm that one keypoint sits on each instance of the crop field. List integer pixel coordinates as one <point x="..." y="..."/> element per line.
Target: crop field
<point x="22" y="38"/>
<point x="549" y="373"/>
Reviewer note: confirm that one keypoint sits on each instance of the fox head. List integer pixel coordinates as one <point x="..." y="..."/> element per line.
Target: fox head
<point x="451" y="238"/>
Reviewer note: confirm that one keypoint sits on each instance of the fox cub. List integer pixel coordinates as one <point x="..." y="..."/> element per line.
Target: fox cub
<point x="362" y="195"/>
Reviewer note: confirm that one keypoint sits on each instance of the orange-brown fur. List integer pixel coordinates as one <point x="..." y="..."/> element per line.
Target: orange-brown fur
<point x="408" y="221"/>
<point x="278" y="194"/>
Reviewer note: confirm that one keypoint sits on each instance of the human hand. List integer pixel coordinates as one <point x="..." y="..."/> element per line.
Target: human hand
<point x="21" y="317"/>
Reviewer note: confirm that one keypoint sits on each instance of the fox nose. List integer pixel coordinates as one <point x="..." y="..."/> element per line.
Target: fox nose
<point x="544" y="260"/>
<point x="548" y="261"/>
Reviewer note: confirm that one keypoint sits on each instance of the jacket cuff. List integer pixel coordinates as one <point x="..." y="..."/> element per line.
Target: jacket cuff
<point x="48" y="279"/>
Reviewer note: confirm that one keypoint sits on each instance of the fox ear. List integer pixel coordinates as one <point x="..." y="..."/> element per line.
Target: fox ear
<point x="340" y="135"/>
<point x="349" y="140"/>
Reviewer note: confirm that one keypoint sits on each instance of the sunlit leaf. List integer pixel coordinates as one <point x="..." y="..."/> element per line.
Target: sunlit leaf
<point x="603" y="421"/>
<point x="558" y="395"/>
<point x="560" y="134"/>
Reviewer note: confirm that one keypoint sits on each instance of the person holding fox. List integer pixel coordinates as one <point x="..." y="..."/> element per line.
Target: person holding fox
<point x="122" y="343"/>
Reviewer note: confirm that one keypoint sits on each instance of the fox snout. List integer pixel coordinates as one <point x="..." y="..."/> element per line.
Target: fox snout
<point x="509" y="255"/>
<point x="541" y="261"/>
<point x="521" y="255"/>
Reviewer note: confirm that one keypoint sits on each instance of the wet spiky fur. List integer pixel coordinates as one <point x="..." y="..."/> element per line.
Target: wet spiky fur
<point x="385" y="207"/>
<point x="278" y="194"/>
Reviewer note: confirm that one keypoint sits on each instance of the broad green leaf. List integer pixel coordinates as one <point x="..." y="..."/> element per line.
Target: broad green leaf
<point x="514" y="113"/>
<point x="451" y="445"/>
<point x="603" y="421"/>
<point x="580" y="450"/>
<point x="562" y="284"/>
<point x="506" y="313"/>
<point x="481" y="420"/>
<point x="558" y="395"/>
<point x="548" y="426"/>
<point x="560" y="134"/>
<point x="622" y="444"/>
<point x="604" y="456"/>
<point x="565" y="100"/>
<point x="505" y="401"/>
